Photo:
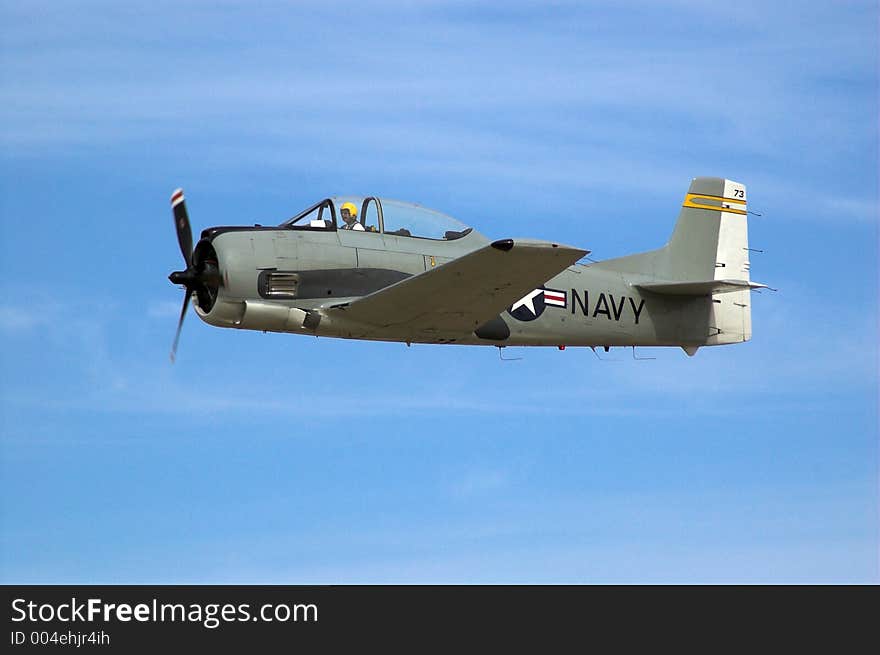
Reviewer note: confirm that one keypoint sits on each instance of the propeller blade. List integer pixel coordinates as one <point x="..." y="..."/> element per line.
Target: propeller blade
<point x="181" y="223"/>
<point x="180" y="324"/>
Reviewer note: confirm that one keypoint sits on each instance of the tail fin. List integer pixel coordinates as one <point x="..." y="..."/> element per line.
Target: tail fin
<point x="707" y="255"/>
<point x="710" y="240"/>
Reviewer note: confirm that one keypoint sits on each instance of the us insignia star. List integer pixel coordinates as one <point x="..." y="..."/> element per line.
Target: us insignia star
<point x="527" y="300"/>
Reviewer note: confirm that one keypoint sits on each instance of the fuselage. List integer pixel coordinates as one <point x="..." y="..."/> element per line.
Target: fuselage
<point x="274" y="278"/>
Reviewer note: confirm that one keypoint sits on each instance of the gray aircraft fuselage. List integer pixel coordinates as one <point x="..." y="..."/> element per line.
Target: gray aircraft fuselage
<point x="380" y="278"/>
<point x="600" y="307"/>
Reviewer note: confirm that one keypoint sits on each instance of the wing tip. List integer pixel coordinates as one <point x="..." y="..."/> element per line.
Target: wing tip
<point x="505" y="245"/>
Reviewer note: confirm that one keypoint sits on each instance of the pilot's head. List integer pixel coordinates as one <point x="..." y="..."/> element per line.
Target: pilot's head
<point x="349" y="213"/>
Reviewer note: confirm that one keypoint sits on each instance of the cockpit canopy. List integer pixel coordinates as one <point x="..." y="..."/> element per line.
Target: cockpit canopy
<point x="391" y="217"/>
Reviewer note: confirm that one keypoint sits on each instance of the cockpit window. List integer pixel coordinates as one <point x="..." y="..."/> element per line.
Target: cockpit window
<point x="357" y="213"/>
<point x="320" y="216"/>
<point x="370" y="214"/>
<point x="410" y="220"/>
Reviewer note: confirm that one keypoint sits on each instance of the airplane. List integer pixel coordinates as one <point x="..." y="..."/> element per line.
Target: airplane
<point x="384" y="270"/>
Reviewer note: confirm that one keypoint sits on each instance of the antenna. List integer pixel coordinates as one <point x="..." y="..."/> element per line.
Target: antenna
<point x="603" y="359"/>
<point x="640" y="359"/>
<point x="506" y="359"/>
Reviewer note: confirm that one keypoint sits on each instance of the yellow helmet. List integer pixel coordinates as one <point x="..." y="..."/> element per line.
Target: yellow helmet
<point x="350" y="207"/>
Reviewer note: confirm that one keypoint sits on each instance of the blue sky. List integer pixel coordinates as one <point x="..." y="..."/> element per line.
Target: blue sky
<point x="282" y="459"/>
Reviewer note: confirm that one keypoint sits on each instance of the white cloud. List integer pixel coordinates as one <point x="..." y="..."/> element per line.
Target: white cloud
<point x="479" y="483"/>
<point x="163" y="309"/>
<point x="551" y="104"/>
<point x="19" y="319"/>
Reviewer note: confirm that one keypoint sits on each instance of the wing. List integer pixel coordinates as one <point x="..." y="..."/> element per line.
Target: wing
<point x="463" y="294"/>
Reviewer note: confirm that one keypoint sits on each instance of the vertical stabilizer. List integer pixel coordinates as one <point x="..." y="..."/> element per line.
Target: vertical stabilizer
<point x="710" y="242"/>
<point x="710" y="238"/>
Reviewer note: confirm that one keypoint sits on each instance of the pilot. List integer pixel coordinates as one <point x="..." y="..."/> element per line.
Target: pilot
<point x="349" y="215"/>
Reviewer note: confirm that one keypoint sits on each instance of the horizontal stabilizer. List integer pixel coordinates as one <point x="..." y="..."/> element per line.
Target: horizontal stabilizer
<point x="466" y="292"/>
<point x="704" y="288"/>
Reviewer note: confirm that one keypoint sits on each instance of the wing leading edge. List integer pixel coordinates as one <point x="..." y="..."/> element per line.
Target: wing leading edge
<point x="465" y="293"/>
